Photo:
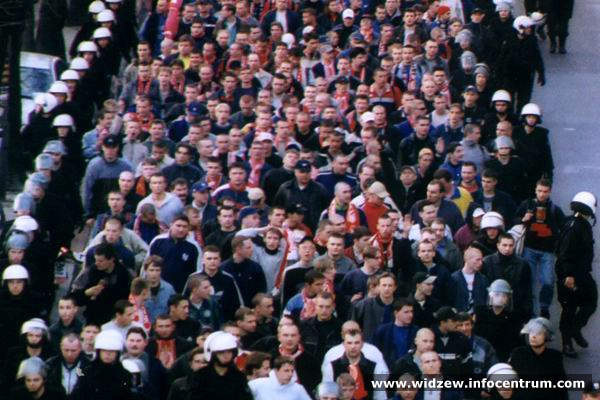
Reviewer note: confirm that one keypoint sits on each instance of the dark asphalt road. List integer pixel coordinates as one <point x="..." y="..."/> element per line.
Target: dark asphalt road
<point x="569" y="102"/>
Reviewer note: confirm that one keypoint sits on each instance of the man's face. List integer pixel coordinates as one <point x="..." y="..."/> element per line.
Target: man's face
<point x="102" y="263"/>
<point x="439" y="230"/>
<point x="126" y="181"/>
<point x="288" y="336"/>
<point x="34" y="383"/>
<point x="404" y="316"/>
<point x="116" y="203"/>
<point x="153" y="273"/>
<point x="353" y="345"/>
<point x="385" y="227"/>
<point x="387" y="287"/>
<point x="89" y="333"/>
<point x="468" y="173"/>
<point x="428" y="214"/>
<point x="67" y="310"/>
<point x="434" y="193"/>
<point x="430" y="363"/>
<point x="110" y="153"/>
<point x="182" y="155"/>
<point x="506" y="247"/>
<point x="108" y="356"/>
<point x="237" y="176"/>
<point x="181" y="310"/>
<point x="344" y="194"/>
<point x="426" y="288"/>
<point x="285" y="373"/>
<point x="164" y="328"/>
<point x="226" y="218"/>
<point x="211" y="261"/>
<point x="265" y="309"/>
<point x="246" y="248"/>
<point x="248" y="324"/>
<point x="316" y="287"/>
<point x="306" y="251"/>
<point x="112" y="231"/>
<point x="426" y="253"/>
<point x="179" y="229"/>
<point x="135" y="344"/>
<point x="474" y="135"/>
<point x="70" y="350"/>
<point x="34" y="337"/>
<point x="422" y="128"/>
<point x="488" y="184"/>
<point x="324" y="308"/>
<point x="542" y="193"/>
<point x="158" y="184"/>
<point x="425" y="341"/>
<point x="335" y="246"/>
<point x="143" y="50"/>
<point x="126" y="317"/>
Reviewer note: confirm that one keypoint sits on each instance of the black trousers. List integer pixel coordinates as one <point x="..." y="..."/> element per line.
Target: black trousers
<point x="558" y="26"/>
<point x="577" y="306"/>
<point x="521" y="89"/>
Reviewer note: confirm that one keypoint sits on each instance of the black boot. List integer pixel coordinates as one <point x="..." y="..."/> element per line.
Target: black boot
<point x="552" y="44"/>
<point x="561" y="45"/>
<point x="568" y="349"/>
<point x="579" y="339"/>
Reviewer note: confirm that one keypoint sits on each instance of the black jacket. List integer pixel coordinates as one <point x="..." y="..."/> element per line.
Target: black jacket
<point x="314" y="198"/>
<point x="101" y="308"/>
<point x="318" y="336"/>
<point x="516" y="272"/>
<point x="575" y="252"/>
<point x="103" y="382"/>
<point x="501" y="330"/>
<point x="501" y="203"/>
<point x="207" y="384"/>
<point x="546" y="366"/>
<point x="54" y="364"/>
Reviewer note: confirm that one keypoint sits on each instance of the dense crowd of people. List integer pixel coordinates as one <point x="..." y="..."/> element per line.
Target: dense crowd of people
<point x="292" y="200"/>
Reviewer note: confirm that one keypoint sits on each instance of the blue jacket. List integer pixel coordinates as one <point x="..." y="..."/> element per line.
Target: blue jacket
<point x="157" y="305"/>
<point x="180" y="259"/>
<point x="461" y="291"/>
<point x="385" y="341"/>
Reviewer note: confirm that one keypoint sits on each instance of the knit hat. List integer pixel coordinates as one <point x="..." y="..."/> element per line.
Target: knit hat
<point x="443" y="10"/>
<point x="504" y="141"/>
<point x="503" y="6"/>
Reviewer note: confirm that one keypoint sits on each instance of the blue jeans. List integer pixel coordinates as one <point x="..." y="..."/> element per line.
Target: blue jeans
<point x="542" y="271"/>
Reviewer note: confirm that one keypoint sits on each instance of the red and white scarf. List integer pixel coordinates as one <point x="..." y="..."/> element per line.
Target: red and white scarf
<point x="352" y="216"/>
<point x="386" y="252"/>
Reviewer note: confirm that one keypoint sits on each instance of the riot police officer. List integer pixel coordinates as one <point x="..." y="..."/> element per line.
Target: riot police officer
<point x="577" y="291"/>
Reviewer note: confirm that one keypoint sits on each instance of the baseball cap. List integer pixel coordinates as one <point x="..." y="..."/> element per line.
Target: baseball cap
<point x="445" y="313"/>
<point x="423" y="277"/>
<point x="293" y="146"/>
<point x="264" y="136"/>
<point x="195" y="108"/>
<point x="471" y="88"/>
<point x="377" y="188"/>
<point x="478" y="212"/>
<point x="357" y="36"/>
<point x="247" y="211"/>
<point x="348" y="13"/>
<point x="200" y="187"/>
<point x="408" y="168"/>
<point x="478" y="10"/>
<point x="367" y="117"/>
<point x="303" y="166"/>
<point x="110" y="141"/>
<point x="296" y="209"/>
<point x="255" y="194"/>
